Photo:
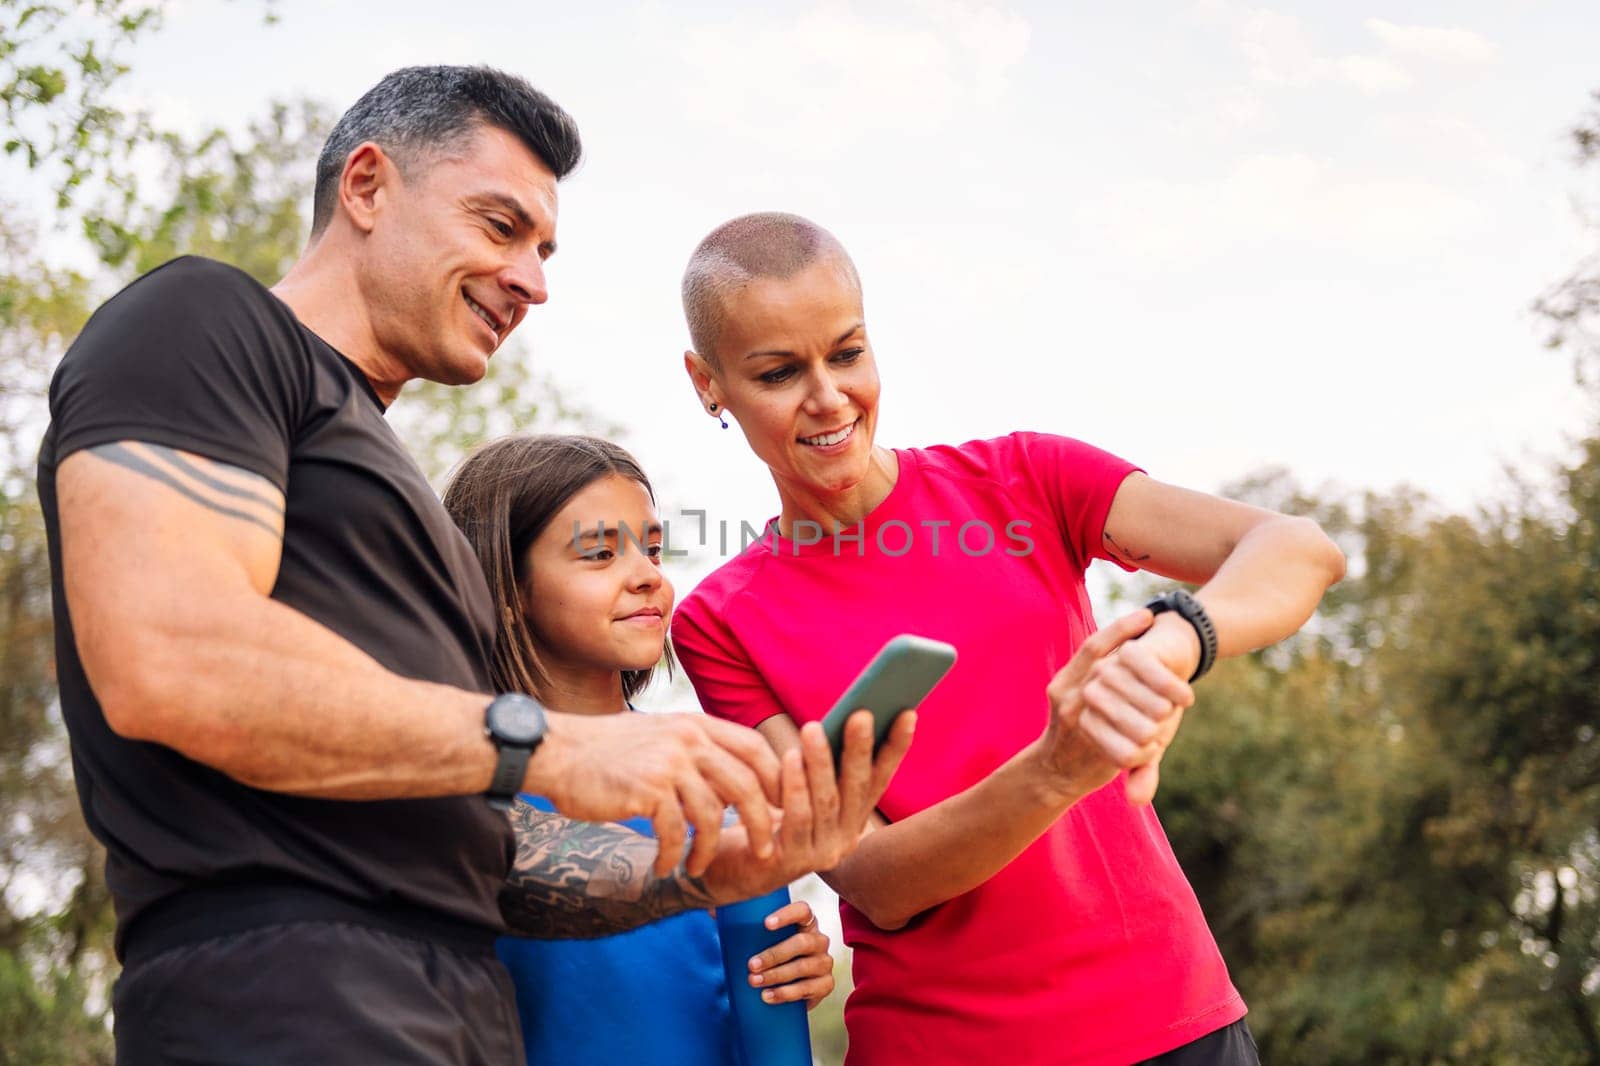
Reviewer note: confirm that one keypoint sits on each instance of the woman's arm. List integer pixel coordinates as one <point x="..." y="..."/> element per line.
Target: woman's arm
<point x="1261" y="574"/>
<point x="903" y="868"/>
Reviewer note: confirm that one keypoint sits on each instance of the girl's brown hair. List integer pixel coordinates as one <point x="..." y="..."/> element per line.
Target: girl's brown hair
<point x="503" y="496"/>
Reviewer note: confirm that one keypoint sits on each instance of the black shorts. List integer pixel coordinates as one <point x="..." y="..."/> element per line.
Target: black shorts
<point x="317" y="992"/>
<point x="1229" y="1046"/>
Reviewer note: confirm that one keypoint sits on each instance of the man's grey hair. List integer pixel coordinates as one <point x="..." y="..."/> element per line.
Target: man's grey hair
<point x="418" y="114"/>
<point x="770" y="244"/>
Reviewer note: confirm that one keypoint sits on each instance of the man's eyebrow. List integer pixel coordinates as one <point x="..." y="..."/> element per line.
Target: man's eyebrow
<point x="840" y="339"/>
<point x="514" y="206"/>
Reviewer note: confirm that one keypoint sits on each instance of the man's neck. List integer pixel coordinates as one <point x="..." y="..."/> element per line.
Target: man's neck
<point x="324" y="293"/>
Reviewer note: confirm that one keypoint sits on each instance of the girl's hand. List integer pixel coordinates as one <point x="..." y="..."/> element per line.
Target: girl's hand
<point x="799" y="967"/>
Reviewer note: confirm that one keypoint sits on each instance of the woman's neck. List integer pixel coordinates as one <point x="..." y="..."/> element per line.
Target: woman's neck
<point x="583" y="690"/>
<point x="839" y="510"/>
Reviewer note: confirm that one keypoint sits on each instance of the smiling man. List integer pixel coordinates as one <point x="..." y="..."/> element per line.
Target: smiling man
<point x="273" y="643"/>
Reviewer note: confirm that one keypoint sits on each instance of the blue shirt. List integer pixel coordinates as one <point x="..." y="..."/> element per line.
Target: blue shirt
<point x="652" y="995"/>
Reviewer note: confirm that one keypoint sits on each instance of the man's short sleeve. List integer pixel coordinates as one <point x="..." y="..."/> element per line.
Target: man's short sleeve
<point x="725" y="680"/>
<point x="194" y="355"/>
<point x="1078" y="482"/>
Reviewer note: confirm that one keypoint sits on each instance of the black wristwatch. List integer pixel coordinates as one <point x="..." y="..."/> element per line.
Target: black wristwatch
<point x="1188" y="608"/>
<point x="516" y="723"/>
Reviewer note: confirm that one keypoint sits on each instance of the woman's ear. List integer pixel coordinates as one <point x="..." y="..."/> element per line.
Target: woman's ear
<point x="701" y="377"/>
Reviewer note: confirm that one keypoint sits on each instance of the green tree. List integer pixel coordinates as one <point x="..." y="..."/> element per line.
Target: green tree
<point x="58" y="62"/>
<point x="1391" y="820"/>
<point x="53" y="905"/>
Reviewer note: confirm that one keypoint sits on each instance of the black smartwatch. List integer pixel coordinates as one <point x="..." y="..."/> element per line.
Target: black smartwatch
<point x="1188" y="608"/>
<point x="516" y="723"/>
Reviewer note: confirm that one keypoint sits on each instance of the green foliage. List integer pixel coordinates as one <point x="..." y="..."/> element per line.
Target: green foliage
<point x="57" y="63"/>
<point x="42" y="1022"/>
<point x="53" y="906"/>
<point x="441" y="423"/>
<point x="1393" y="828"/>
<point x="237" y="198"/>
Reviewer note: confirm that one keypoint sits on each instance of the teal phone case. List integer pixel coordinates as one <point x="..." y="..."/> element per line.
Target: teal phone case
<point x="898" y="678"/>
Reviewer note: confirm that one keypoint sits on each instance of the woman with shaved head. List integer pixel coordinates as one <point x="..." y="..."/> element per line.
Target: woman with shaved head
<point x="1012" y="902"/>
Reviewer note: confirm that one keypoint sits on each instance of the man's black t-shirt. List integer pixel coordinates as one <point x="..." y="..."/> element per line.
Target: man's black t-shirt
<point x="197" y="356"/>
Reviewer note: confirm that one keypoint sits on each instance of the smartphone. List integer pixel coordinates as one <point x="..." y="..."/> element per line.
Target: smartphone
<point x="897" y="679"/>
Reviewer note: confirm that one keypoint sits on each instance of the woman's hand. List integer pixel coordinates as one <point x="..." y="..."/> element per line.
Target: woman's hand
<point x="1116" y="705"/>
<point x="825" y="814"/>
<point x="799" y="967"/>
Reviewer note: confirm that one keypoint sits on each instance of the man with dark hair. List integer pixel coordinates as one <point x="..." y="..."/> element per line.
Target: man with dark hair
<point x="273" y="643"/>
<point x="420" y="113"/>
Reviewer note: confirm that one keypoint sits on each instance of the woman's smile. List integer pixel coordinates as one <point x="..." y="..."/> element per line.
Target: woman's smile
<point x="833" y="440"/>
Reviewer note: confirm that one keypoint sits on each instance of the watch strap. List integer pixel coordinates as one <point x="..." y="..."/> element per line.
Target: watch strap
<point x="511" y="766"/>
<point x="515" y="725"/>
<point x="1189" y="609"/>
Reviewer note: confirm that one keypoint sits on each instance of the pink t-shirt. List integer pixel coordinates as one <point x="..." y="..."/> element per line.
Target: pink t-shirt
<point x="1090" y="947"/>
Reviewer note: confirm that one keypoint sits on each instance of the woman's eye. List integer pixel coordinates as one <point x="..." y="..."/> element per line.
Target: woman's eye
<point x="848" y="356"/>
<point x="604" y="555"/>
<point x="778" y="376"/>
<point x="654" y="551"/>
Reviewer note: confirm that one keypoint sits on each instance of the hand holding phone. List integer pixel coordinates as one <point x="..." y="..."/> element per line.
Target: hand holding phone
<point x="898" y="678"/>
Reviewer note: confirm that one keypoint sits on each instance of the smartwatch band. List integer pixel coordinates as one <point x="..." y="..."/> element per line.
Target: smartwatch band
<point x="509" y="769"/>
<point x="1188" y="608"/>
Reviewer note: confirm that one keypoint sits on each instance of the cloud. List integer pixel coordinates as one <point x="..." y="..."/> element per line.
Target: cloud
<point x="1278" y="50"/>
<point x="1448" y="143"/>
<point x="1276" y="200"/>
<point x="1238" y="109"/>
<point x="836" y="73"/>
<point x="1371" y="74"/>
<point x="1431" y="42"/>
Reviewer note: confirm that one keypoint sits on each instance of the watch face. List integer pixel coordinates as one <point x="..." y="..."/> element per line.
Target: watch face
<point x="517" y="720"/>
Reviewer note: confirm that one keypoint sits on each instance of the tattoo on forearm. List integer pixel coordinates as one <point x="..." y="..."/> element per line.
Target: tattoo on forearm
<point x="577" y="880"/>
<point x="218" y="487"/>
<point x="1121" y="552"/>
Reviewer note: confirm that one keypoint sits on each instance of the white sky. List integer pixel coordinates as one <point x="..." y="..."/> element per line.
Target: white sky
<point x="1205" y="235"/>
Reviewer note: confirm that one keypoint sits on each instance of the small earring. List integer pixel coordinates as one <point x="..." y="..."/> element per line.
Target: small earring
<point x="723" y="419"/>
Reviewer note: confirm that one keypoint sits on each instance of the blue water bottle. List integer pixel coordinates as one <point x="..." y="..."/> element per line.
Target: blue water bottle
<point x="769" y="1034"/>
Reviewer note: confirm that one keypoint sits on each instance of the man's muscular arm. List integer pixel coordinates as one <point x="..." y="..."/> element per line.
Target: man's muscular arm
<point x="168" y="559"/>
<point x="168" y="562"/>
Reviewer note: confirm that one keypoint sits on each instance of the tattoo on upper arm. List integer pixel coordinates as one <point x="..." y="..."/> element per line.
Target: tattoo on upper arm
<point x="226" y="490"/>
<point x="577" y="880"/>
<point x="1128" y="554"/>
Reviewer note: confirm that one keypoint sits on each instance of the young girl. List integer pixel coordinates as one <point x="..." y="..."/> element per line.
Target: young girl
<point x="567" y="533"/>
